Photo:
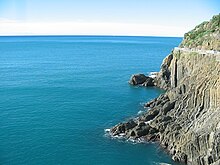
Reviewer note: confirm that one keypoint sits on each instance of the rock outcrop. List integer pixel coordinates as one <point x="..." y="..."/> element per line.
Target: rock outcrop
<point x="142" y="80"/>
<point x="186" y="119"/>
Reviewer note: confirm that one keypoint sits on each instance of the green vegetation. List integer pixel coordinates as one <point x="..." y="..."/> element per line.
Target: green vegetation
<point x="204" y="36"/>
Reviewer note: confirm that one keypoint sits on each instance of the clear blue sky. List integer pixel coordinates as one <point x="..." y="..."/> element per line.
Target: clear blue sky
<point x="183" y="14"/>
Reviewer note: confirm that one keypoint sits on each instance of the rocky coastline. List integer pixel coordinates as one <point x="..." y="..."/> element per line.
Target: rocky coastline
<point x="185" y="120"/>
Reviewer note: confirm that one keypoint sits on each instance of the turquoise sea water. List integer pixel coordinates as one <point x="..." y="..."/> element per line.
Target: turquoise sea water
<point x="58" y="94"/>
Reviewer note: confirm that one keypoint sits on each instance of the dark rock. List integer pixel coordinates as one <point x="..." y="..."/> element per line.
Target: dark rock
<point x="141" y="124"/>
<point x="153" y="131"/>
<point x="142" y="131"/>
<point x="118" y="129"/>
<point x="123" y="127"/>
<point x="149" y="82"/>
<point x="130" y="124"/>
<point x="137" y="79"/>
<point x="148" y="104"/>
<point x="151" y="115"/>
<point x="168" y="106"/>
<point x="160" y="101"/>
<point x="210" y="160"/>
<point x="133" y="133"/>
<point x="165" y="118"/>
<point x="183" y="158"/>
<point x="152" y="137"/>
<point x="141" y="79"/>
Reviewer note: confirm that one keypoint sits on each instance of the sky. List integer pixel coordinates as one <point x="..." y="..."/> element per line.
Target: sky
<point x="104" y="17"/>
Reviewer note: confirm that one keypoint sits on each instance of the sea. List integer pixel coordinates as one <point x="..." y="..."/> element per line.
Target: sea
<point x="58" y="94"/>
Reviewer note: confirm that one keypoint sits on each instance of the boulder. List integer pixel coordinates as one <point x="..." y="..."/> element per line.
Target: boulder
<point x="151" y="114"/>
<point x="137" y="79"/>
<point x="142" y="131"/>
<point x="123" y="127"/>
<point x="168" y="106"/>
<point x="149" y="82"/>
<point x="141" y="79"/>
<point x="130" y="124"/>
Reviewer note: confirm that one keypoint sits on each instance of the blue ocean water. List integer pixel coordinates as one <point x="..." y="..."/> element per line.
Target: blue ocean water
<point x="59" y="93"/>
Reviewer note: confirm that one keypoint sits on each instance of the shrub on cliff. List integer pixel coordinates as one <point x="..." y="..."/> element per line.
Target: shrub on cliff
<point x="204" y="36"/>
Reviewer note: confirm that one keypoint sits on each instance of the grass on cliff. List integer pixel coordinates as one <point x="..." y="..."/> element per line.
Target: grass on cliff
<point x="204" y="35"/>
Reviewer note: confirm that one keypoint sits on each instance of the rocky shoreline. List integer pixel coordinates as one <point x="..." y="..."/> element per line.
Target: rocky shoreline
<point x="186" y="119"/>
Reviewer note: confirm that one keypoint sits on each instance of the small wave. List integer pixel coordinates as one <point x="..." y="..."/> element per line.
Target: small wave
<point x="142" y="103"/>
<point x="118" y="137"/>
<point x="122" y="137"/>
<point x="107" y="130"/>
<point x="136" y="141"/>
<point x="147" y="108"/>
<point x="153" y="74"/>
<point x="107" y="133"/>
<point x="140" y="112"/>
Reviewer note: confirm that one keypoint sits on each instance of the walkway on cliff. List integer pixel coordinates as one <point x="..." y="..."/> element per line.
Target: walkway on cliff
<point x="200" y="51"/>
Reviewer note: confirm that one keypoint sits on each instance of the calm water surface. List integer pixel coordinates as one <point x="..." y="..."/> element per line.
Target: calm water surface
<point x="58" y="94"/>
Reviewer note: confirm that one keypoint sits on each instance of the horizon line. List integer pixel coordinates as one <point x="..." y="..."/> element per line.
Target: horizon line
<point x="84" y="35"/>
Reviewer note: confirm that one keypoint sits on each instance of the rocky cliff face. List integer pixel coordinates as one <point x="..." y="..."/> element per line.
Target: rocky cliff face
<point x="186" y="119"/>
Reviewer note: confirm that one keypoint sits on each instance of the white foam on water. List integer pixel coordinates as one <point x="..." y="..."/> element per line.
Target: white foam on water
<point x="122" y="134"/>
<point x="142" y="103"/>
<point x="140" y="112"/>
<point x="107" y="130"/>
<point x="153" y="74"/>
<point x="118" y="137"/>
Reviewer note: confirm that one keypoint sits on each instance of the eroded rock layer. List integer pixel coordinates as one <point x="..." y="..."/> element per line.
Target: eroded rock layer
<point x="186" y="119"/>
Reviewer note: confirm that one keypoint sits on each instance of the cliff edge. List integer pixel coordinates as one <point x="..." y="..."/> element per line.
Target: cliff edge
<point x="186" y="119"/>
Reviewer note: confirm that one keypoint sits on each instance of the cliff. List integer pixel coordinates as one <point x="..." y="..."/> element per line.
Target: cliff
<point x="186" y="119"/>
<point x="204" y="36"/>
